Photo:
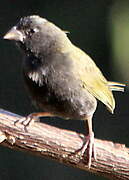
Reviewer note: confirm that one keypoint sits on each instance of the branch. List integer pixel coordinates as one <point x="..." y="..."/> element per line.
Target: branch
<point x="58" y="144"/>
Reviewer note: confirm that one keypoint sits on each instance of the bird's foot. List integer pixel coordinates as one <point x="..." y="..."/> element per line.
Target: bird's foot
<point x="25" y="121"/>
<point x="89" y="148"/>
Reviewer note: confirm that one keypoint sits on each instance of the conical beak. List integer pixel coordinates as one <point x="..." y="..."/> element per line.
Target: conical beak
<point x="14" y="34"/>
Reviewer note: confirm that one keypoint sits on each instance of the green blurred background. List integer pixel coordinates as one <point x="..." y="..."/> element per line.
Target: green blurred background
<point x="101" y="28"/>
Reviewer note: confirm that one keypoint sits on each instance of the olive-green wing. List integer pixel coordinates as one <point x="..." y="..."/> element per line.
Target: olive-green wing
<point x="92" y="78"/>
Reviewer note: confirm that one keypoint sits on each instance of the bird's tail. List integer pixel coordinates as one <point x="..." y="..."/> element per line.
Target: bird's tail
<point x="115" y="86"/>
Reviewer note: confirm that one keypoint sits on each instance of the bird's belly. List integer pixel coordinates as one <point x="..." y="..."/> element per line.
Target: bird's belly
<point x="69" y="105"/>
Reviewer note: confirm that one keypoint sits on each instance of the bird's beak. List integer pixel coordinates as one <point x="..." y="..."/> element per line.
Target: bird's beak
<point x="14" y="34"/>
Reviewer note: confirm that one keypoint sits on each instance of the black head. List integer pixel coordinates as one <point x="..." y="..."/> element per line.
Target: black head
<point x="34" y="34"/>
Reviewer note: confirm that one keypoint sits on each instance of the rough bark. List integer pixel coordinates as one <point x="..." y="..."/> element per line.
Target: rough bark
<point x="59" y="144"/>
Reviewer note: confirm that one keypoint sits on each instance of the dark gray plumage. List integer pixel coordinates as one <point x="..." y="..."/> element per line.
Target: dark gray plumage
<point x="61" y="79"/>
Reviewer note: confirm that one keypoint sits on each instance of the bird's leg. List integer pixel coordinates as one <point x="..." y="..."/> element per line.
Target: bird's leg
<point x="88" y="145"/>
<point x="32" y="117"/>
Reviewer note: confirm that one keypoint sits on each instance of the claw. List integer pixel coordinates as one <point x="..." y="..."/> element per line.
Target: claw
<point x="25" y="121"/>
<point x="89" y="148"/>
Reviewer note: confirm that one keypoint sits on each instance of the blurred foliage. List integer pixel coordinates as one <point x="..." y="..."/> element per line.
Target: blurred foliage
<point x="119" y="34"/>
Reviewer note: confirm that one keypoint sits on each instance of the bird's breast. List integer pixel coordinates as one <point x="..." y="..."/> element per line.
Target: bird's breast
<point x="54" y="88"/>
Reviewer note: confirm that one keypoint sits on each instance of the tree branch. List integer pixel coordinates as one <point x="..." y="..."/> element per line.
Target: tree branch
<point x="61" y="145"/>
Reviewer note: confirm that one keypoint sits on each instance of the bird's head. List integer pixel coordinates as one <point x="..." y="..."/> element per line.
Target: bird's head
<point x="35" y="34"/>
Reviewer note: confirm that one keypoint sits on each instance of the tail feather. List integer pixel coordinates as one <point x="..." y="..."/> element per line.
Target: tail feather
<point x="115" y="86"/>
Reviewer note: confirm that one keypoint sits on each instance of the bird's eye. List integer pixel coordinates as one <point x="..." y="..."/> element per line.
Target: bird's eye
<point x="32" y="31"/>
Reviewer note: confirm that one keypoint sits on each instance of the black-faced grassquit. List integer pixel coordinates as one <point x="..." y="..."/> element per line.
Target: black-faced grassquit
<point x="61" y="78"/>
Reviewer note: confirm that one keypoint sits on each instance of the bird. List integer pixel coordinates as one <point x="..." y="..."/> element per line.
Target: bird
<point x="61" y="79"/>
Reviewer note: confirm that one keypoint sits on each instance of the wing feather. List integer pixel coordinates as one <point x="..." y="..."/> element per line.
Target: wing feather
<point x="92" y="79"/>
